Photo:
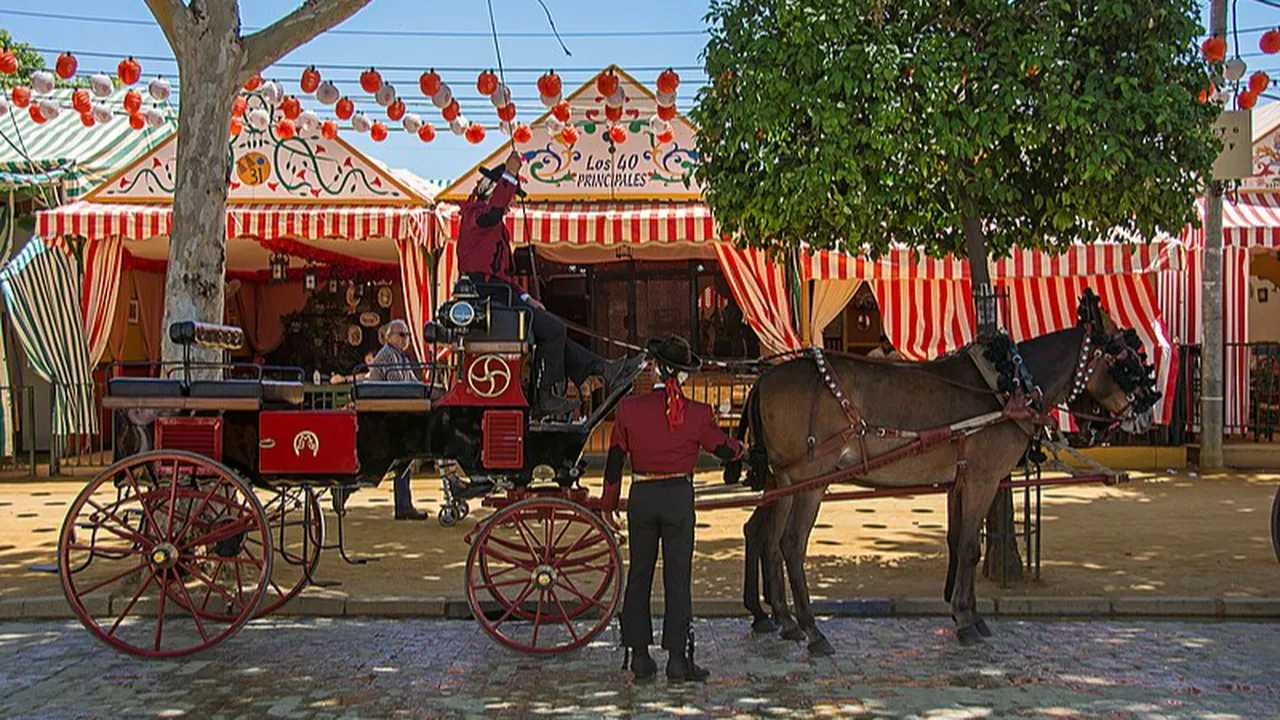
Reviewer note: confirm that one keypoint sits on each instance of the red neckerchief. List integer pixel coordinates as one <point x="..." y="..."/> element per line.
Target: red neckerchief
<point x="675" y="402"/>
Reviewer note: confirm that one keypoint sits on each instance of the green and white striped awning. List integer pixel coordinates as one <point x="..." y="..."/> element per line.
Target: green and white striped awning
<point x="64" y="151"/>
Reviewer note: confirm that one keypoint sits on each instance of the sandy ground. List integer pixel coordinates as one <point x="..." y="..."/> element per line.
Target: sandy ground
<point x="1169" y="535"/>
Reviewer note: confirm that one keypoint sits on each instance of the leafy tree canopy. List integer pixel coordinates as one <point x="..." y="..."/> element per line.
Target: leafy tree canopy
<point x="29" y="61"/>
<point x="854" y="123"/>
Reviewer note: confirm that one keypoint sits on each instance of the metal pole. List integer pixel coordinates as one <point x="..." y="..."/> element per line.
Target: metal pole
<point x="1211" y="357"/>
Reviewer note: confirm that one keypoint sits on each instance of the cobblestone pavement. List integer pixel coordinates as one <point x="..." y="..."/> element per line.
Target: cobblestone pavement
<point x="440" y="668"/>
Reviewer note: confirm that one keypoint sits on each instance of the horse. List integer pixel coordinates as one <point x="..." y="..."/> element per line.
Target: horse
<point x="818" y="414"/>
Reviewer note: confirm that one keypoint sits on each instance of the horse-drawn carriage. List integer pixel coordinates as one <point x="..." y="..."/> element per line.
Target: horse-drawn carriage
<point x="211" y="515"/>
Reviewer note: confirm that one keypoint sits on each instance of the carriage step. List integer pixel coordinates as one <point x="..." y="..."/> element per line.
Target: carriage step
<point x="326" y="583"/>
<point x="51" y="568"/>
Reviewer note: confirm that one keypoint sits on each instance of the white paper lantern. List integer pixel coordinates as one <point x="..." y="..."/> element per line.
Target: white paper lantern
<point x="549" y="100"/>
<point x="272" y="91"/>
<point x="360" y="122"/>
<point x="42" y="82"/>
<point x="308" y="122"/>
<point x="100" y="85"/>
<point x="101" y="113"/>
<point x="617" y="99"/>
<point x="4" y="106"/>
<point x="259" y="119"/>
<point x="412" y="123"/>
<point x="443" y="97"/>
<point x="159" y="89"/>
<point x="385" y="95"/>
<point x="554" y="126"/>
<point x="655" y="124"/>
<point x="49" y="109"/>
<point x="328" y="93"/>
<point x="505" y="127"/>
<point x="154" y="117"/>
<point x="1234" y="69"/>
<point x="459" y="125"/>
<point x="1222" y="97"/>
<point x="666" y="99"/>
<point x="501" y="97"/>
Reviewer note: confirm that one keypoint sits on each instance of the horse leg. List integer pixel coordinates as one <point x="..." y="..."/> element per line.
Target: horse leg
<point x="795" y="544"/>
<point x="775" y="584"/>
<point x="972" y="501"/>
<point x="755" y="533"/>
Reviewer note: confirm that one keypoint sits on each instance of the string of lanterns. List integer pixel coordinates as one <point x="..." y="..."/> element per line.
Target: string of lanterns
<point x="88" y="103"/>
<point x="1214" y="52"/>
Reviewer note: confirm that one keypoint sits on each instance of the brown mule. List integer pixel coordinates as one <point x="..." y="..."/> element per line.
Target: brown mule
<point x="794" y="413"/>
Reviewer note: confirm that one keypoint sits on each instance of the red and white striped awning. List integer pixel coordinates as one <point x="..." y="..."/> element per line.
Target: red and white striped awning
<point x="99" y="221"/>
<point x="1081" y="260"/>
<point x="1252" y="219"/>
<point x="601" y="224"/>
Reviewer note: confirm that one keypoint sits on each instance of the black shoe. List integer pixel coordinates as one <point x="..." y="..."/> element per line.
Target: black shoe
<point x="412" y="514"/>
<point x="681" y="669"/>
<point x="552" y="405"/>
<point x="642" y="664"/>
<point x="620" y="371"/>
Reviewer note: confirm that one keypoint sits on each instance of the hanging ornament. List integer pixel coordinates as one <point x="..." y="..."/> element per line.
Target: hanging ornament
<point x="272" y="92"/>
<point x="612" y="113"/>
<point x="100" y="85"/>
<point x="618" y="135"/>
<point x="487" y="83"/>
<point x="395" y="110"/>
<point x="1214" y="49"/>
<point x="459" y="125"/>
<point x="360" y="123"/>
<point x="370" y="81"/>
<point x="617" y="99"/>
<point x="426" y="133"/>
<point x="291" y="107"/>
<point x="1259" y="82"/>
<point x="668" y="81"/>
<point x="1222" y="96"/>
<point x="1269" y="43"/>
<point x="665" y="137"/>
<point x="132" y="102"/>
<point x="443" y="96"/>
<point x="1246" y="100"/>
<point x="310" y="81"/>
<point x="136" y="122"/>
<point x="159" y="89"/>
<point x="238" y="106"/>
<point x="501" y="96"/>
<point x="378" y="131"/>
<point x="21" y="96"/>
<point x="474" y="133"/>
<point x="665" y="98"/>
<point x="411" y="123"/>
<point x="253" y="83"/>
<point x="549" y="100"/>
<point x="4" y="106"/>
<point x="285" y="128"/>
<point x="86" y="119"/>
<point x="308" y="123"/>
<point x="657" y="125"/>
<point x="66" y="66"/>
<point x="549" y="84"/>
<point x="129" y="71"/>
<point x="34" y="111"/>
<point x="345" y="109"/>
<point x="554" y="126"/>
<point x="154" y="117"/>
<point x="522" y="134"/>
<point x="451" y="111"/>
<point x="429" y="83"/>
<point x="101" y="113"/>
<point x="667" y="112"/>
<point x="606" y="83"/>
<point x="385" y="95"/>
<point x="562" y="111"/>
<point x="327" y="93"/>
<point x="237" y="127"/>
<point x="507" y="112"/>
<point x="259" y="119"/>
<point x="569" y="136"/>
<point x="42" y="82"/>
<point x="1234" y="69"/>
<point x="82" y="101"/>
<point x="8" y="62"/>
<point x="49" y="108"/>
<point x="329" y="130"/>
<point x="506" y="128"/>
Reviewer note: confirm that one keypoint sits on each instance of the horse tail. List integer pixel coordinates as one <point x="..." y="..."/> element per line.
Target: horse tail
<point x="733" y="468"/>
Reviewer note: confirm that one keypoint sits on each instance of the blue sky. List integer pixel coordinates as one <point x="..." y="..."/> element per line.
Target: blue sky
<point x="448" y="155"/>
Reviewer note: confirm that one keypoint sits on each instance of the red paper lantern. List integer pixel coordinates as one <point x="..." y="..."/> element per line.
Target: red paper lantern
<point x="132" y="102"/>
<point x="237" y="127"/>
<point x="8" y="62"/>
<point x="66" y="68"/>
<point x="1214" y="49"/>
<point x="36" y="115"/>
<point x="451" y="111"/>
<point x="474" y="133"/>
<point x="618" y="134"/>
<point x="238" y="106"/>
<point x="487" y="83"/>
<point x="329" y="129"/>
<point x="426" y="133"/>
<point x="253" y="83"/>
<point x="549" y="84"/>
<point x="81" y="101"/>
<point x="1246" y="100"/>
<point x="136" y="121"/>
<point x="606" y="83"/>
<point x="429" y="83"/>
<point x="522" y="134"/>
<point x="667" y="112"/>
<point x="21" y="96"/>
<point x="378" y="132"/>
<point x="370" y="81"/>
<point x="310" y="79"/>
<point x="86" y="119"/>
<point x="344" y="109"/>
<point x="291" y="107"/>
<point x="665" y="137"/>
<point x="612" y="114"/>
<point x="129" y="71"/>
<point x="668" y="81"/>
<point x="562" y="111"/>
<point x="396" y="110"/>
<point x="1269" y="43"/>
<point x="285" y="129"/>
<point x="569" y="136"/>
<point x="507" y="112"/>
<point x="1259" y="82"/>
<point x="1207" y="93"/>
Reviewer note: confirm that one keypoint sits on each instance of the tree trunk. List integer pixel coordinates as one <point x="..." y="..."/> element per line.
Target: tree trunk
<point x="984" y="302"/>
<point x="1212" y="346"/>
<point x="1001" y="561"/>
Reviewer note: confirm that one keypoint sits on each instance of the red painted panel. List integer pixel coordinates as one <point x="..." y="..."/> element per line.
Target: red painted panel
<point x="200" y="435"/>
<point x="491" y="379"/>
<point x="503" y="439"/>
<point x="307" y="442"/>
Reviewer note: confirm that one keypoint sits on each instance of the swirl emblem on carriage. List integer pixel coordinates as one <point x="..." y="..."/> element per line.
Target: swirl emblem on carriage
<point x="306" y="440"/>
<point x="489" y="376"/>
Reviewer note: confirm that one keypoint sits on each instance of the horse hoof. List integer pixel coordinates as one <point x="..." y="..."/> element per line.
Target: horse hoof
<point x="969" y="635"/>
<point x="821" y="648"/>
<point x="981" y="626"/>
<point x="764" y="626"/>
<point x="793" y="633"/>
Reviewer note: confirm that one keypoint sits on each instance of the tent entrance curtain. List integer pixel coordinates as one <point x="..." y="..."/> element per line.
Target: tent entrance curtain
<point x="759" y="286"/>
<point x="830" y="297"/>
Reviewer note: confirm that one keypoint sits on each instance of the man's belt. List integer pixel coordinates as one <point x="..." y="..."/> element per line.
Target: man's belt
<point x="659" y="477"/>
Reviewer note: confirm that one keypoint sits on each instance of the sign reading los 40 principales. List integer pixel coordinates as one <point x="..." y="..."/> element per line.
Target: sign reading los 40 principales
<point x="596" y="162"/>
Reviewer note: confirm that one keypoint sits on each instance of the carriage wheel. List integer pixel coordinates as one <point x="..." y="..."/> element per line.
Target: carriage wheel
<point x="544" y="576"/>
<point x="166" y="532"/>
<point x="1275" y="524"/>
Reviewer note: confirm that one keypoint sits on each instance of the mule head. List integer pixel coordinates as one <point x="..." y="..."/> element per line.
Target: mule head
<point x="1113" y="383"/>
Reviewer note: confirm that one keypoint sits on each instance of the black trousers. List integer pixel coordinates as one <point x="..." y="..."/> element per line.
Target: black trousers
<point x="560" y="356"/>
<point x="659" y="511"/>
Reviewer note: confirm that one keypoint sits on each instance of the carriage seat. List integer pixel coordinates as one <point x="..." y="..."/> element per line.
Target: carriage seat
<point x="390" y="390"/>
<point x="144" y="387"/>
<point x="278" y="392"/>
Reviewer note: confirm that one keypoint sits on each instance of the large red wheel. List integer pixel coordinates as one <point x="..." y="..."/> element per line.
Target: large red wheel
<point x="544" y="575"/>
<point x="162" y="536"/>
<point x="1275" y="524"/>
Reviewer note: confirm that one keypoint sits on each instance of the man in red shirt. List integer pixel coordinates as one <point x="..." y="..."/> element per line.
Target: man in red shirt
<point x="484" y="255"/>
<point x="664" y="433"/>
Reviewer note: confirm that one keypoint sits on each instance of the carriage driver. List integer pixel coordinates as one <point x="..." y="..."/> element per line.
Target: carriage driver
<point x="484" y="254"/>
<point x="663" y="433"/>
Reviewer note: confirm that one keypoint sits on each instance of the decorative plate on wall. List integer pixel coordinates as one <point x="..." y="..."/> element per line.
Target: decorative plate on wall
<point x="355" y="335"/>
<point x="385" y="296"/>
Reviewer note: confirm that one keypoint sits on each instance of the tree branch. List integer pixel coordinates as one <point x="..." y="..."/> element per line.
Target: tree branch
<point x="269" y="44"/>
<point x="166" y="13"/>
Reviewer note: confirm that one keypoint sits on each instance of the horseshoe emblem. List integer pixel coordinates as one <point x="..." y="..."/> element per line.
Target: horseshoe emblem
<point x="489" y="376"/>
<point x="306" y="440"/>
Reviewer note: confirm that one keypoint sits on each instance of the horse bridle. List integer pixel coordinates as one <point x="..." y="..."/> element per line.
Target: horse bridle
<point x="1091" y="359"/>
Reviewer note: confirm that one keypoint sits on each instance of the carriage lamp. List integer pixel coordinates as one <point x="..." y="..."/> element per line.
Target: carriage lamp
<point x="333" y="283"/>
<point x="310" y="277"/>
<point x="279" y="267"/>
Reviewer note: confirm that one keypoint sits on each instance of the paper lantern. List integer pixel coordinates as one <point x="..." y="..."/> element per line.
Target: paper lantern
<point x="272" y="92"/>
<point x="329" y="130"/>
<point x="487" y="83"/>
<point x="411" y="123"/>
<point x="522" y="134"/>
<point x="101" y="113"/>
<point x="554" y="126"/>
<point x="668" y="81"/>
<point x="136" y="122"/>
<point x="49" y="108"/>
<point x="308" y="123"/>
<point x="285" y="128"/>
<point x="612" y="113"/>
<point x="562" y="111"/>
<point x="370" y="81"/>
<point x="426" y="133"/>
<point x="259" y="119"/>
<point x="618" y="134"/>
<point x="86" y="119"/>
<point x="667" y="112"/>
<point x="507" y="112"/>
<point x="549" y="100"/>
<point x="82" y="101"/>
<point x="344" y="109"/>
<point x="474" y="133"/>
<point x="154" y="117"/>
<point x="665" y="98"/>
<point x="42" y="82"/>
<point x="1269" y="43"/>
<point x="617" y="99"/>
<point x="159" y="89"/>
<point x="360" y="123"/>
<point x="429" y="83"/>
<point x="656" y="124"/>
<point x="327" y="93"/>
<point x="442" y="97"/>
<point x="238" y="106"/>
<point x="549" y="84"/>
<point x="378" y="132"/>
<point x="310" y="81"/>
<point x="1246" y="100"/>
<point x="459" y="125"/>
<point x="665" y="137"/>
<point x="291" y="107"/>
<point x="34" y="111"/>
<point x="1214" y="49"/>
<point x="569" y="136"/>
<point x="1234" y="69"/>
<point x="606" y="83"/>
<point x="132" y="102"/>
<point x="21" y="96"/>
<point x="237" y="127"/>
<point x="385" y="95"/>
<point x="451" y="111"/>
<point x="4" y="106"/>
<point x="501" y="96"/>
<point x="506" y="128"/>
<point x="253" y="83"/>
<point x="395" y="110"/>
<point x="8" y="62"/>
<point x="1259" y="82"/>
<point x="66" y="68"/>
<point x="129" y="71"/>
<point x="100" y="85"/>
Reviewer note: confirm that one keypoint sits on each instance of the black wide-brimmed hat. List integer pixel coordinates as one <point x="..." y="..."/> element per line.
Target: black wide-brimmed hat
<point x="675" y="353"/>
<point x="495" y="174"/>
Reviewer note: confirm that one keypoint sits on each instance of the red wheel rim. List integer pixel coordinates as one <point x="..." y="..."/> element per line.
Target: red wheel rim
<point x="159" y="534"/>
<point x="542" y="559"/>
<point x="1275" y="524"/>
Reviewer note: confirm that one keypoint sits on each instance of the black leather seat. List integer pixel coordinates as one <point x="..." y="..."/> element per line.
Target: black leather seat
<point x="385" y="390"/>
<point x="225" y="389"/>
<point x="281" y="392"/>
<point x="144" y="387"/>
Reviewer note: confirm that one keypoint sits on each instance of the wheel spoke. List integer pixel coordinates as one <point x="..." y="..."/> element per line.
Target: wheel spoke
<point x="504" y="583"/>
<point x="226" y="531"/>
<point x="528" y="539"/>
<point x="208" y="590"/>
<point x="126" y="533"/>
<point x="164" y="595"/>
<point x="585" y="560"/>
<point x="528" y="565"/>
<point x="111" y="579"/>
<point x="204" y="502"/>
<point x="137" y="492"/>
<point x="173" y="505"/>
<point x="191" y="608"/>
<point x="548" y="531"/>
<point x="236" y="560"/>
<point x="123" y="613"/>
<point x="580" y="569"/>
<point x="564" y="616"/>
<point x="200" y="576"/>
<point x="582" y="597"/>
<point x="537" y="617"/>
<point x="528" y="588"/>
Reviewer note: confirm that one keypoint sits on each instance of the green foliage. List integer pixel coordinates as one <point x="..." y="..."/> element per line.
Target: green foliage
<point x="29" y="61"/>
<point x="854" y="123"/>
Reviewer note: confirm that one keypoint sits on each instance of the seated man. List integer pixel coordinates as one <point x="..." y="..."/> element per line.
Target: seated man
<point x="484" y="255"/>
<point x="392" y="363"/>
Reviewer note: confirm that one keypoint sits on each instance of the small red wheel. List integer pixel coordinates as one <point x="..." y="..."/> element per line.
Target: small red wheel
<point x="544" y="576"/>
<point x="161" y="533"/>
